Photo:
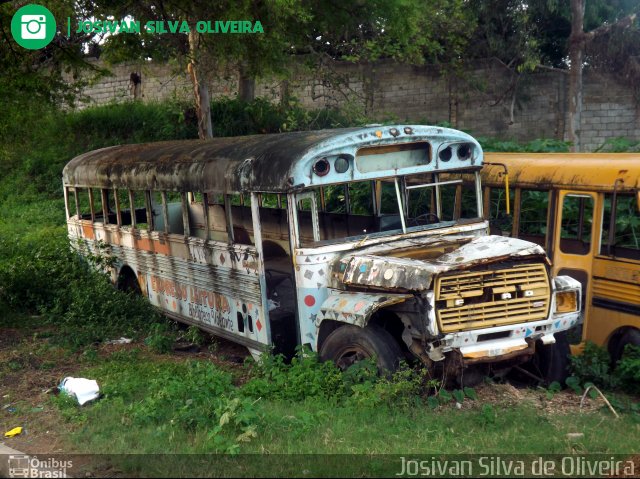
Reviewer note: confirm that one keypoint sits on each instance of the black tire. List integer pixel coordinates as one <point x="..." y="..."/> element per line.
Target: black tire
<point x="632" y="337"/>
<point x="553" y="360"/>
<point x="349" y="344"/>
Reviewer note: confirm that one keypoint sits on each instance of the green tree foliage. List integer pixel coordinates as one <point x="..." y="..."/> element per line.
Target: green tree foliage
<point x="526" y="34"/>
<point x="406" y="30"/>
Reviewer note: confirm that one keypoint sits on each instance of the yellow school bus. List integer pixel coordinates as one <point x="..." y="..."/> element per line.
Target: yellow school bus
<point x="584" y="210"/>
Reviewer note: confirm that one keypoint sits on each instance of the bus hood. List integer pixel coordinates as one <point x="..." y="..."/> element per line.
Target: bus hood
<point x="384" y="271"/>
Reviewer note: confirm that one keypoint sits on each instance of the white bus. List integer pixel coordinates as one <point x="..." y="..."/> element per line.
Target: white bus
<point x="361" y="242"/>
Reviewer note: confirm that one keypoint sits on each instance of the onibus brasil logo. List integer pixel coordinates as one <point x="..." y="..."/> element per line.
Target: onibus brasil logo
<point x="33" y="27"/>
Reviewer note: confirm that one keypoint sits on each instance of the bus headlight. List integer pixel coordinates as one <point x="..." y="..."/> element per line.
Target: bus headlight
<point x="566" y="301"/>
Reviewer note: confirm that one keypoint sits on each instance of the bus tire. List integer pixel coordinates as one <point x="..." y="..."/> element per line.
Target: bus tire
<point x="632" y="336"/>
<point x="349" y="344"/>
<point x="553" y="359"/>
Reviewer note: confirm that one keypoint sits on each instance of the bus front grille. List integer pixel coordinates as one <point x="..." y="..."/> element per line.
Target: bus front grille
<point x="483" y="299"/>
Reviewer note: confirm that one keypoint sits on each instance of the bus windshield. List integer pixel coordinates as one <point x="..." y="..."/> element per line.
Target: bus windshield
<point x="387" y="206"/>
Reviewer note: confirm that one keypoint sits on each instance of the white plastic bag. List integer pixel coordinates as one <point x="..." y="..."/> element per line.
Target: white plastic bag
<point x="84" y="390"/>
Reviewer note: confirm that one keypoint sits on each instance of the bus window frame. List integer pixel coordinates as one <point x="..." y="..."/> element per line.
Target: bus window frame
<point x="105" y="206"/>
<point x="116" y="199"/>
<point x="402" y="193"/>
<point x="564" y="194"/>
<point x="517" y="215"/>
<point x="605" y="250"/>
<point x="92" y="207"/>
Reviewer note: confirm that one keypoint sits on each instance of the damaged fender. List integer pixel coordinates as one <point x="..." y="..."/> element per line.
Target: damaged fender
<point x="355" y="308"/>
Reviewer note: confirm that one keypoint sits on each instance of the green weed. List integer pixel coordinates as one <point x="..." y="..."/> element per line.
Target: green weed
<point x="627" y="371"/>
<point x="594" y="365"/>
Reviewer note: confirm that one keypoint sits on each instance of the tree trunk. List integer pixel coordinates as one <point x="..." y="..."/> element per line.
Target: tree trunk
<point x="200" y="91"/>
<point x="576" y="56"/>
<point x="247" y="85"/>
<point x="285" y="93"/>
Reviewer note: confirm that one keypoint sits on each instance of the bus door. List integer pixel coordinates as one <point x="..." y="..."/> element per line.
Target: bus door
<point x="574" y="238"/>
<point x="615" y="300"/>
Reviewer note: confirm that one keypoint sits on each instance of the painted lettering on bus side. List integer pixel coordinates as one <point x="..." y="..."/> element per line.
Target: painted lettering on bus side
<point x="168" y="287"/>
<point x="210" y="316"/>
<point x="205" y="297"/>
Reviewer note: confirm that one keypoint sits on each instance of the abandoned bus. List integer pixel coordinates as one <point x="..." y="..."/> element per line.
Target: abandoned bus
<point x="349" y="241"/>
<point x="584" y="209"/>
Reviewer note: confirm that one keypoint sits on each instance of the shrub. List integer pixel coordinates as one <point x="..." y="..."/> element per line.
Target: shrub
<point x="540" y="145"/>
<point x="593" y="365"/>
<point x="54" y="281"/>
<point x="627" y="371"/>
<point x="305" y="377"/>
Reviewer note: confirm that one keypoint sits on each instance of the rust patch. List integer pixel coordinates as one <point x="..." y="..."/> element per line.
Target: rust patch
<point x="153" y="246"/>
<point x="88" y="231"/>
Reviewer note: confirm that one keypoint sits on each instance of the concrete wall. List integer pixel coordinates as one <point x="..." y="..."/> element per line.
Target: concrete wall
<point x="485" y="98"/>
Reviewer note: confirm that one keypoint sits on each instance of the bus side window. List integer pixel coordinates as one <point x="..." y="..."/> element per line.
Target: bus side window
<point x="95" y="200"/>
<point x="140" y="206"/>
<point x="216" y="217"/>
<point x="173" y="202"/>
<point x="123" y="206"/>
<point x="215" y="199"/>
<point x="533" y="216"/>
<point x="157" y="211"/>
<point x="196" y="197"/>
<point x="270" y="200"/>
<point x="577" y="218"/>
<point x="198" y="216"/>
<point x="626" y="241"/>
<point x="69" y="192"/>
<point x="84" y="203"/>
<point x="109" y="206"/>
<point x="239" y="219"/>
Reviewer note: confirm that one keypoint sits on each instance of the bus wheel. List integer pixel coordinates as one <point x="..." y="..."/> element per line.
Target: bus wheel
<point x="553" y="360"/>
<point x="632" y="337"/>
<point x="349" y="344"/>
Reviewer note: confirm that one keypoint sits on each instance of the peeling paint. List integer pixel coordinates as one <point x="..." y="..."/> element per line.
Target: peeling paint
<point x="355" y="308"/>
<point x="414" y="274"/>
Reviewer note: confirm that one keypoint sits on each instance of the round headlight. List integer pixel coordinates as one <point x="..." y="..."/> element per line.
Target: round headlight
<point x="464" y="151"/>
<point x="341" y="164"/>
<point x="321" y="167"/>
<point x="445" y="155"/>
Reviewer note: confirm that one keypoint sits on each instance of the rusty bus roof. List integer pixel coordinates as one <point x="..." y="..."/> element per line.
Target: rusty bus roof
<point x="578" y="171"/>
<point x="272" y="162"/>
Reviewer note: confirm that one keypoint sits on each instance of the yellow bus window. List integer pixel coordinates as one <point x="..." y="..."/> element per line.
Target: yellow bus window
<point x="626" y="236"/>
<point x="577" y="218"/>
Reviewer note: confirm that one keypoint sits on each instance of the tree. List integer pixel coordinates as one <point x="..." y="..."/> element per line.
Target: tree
<point x="32" y="82"/>
<point x="578" y="43"/>
<point x="361" y="31"/>
<point x="550" y="35"/>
